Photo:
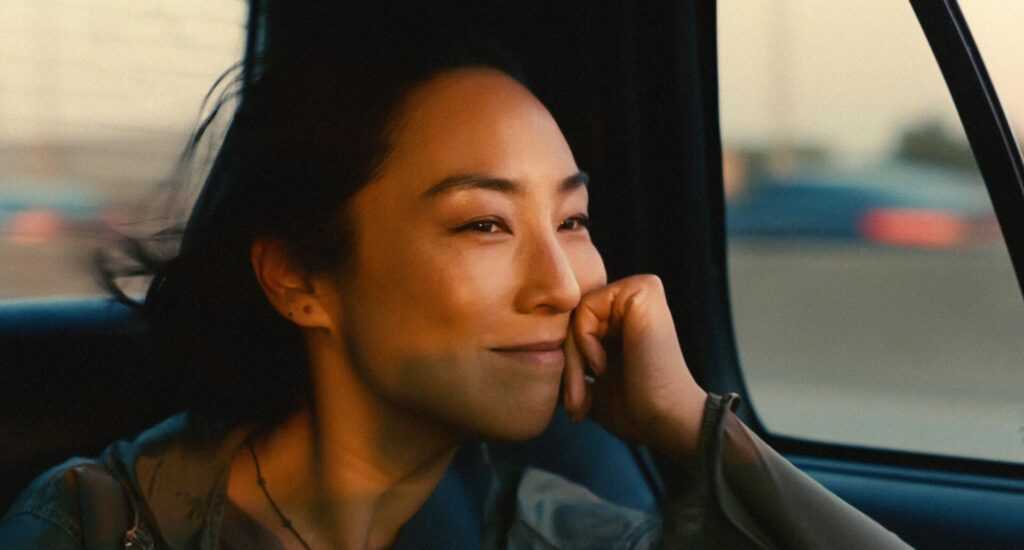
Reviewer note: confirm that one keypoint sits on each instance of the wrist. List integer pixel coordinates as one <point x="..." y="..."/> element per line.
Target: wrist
<point x="676" y="432"/>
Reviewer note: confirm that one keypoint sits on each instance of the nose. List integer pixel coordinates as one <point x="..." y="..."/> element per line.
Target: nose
<point x="549" y="280"/>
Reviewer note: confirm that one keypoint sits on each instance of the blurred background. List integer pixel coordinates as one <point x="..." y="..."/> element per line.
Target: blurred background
<point x="97" y="99"/>
<point x="873" y="297"/>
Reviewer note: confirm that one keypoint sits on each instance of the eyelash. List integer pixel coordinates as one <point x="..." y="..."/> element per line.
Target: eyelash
<point x="582" y="220"/>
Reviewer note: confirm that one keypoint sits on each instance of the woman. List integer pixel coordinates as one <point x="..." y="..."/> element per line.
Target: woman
<point x="391" y="257"/>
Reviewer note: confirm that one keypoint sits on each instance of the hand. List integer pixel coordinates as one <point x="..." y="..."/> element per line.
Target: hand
<point x="643" y="390"/>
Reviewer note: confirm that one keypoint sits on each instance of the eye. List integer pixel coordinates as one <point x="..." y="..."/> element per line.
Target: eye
<point x="485" y="226"/>
<point x="576" y="223"/>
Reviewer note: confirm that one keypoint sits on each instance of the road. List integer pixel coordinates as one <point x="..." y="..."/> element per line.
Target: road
<point x="58" y="267"/>
<point x="904" y="349"/>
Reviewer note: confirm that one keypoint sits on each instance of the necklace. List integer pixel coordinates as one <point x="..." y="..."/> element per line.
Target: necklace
<point x="287" y="523"/>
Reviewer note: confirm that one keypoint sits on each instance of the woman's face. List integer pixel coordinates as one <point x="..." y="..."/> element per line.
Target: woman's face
<point x="472" y="240"/>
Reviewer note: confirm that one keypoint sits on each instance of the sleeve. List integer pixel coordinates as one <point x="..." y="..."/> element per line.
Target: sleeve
<point x="45" y="514"/>
<point x="740" y="493"/>
<point x="74" y="506"/>
<point x="29" y="531"/>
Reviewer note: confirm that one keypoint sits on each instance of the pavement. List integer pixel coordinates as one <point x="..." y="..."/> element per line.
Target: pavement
<point x="894" y="348"/>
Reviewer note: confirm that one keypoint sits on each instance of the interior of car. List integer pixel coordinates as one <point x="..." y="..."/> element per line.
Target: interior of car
<point x="635" y="88"/>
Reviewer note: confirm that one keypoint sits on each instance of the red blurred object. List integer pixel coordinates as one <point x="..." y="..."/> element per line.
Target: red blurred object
<point x="927" y="228"/>
<point x="915" y="227"/>
<point x="34" y="226"/>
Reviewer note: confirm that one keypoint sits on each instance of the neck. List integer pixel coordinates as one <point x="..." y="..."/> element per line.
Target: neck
<point x="348" y="471"/>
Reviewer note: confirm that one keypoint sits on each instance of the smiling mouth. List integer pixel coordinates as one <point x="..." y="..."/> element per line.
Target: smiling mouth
<point x="540" y="345"/>
<point x="547" y="358"/>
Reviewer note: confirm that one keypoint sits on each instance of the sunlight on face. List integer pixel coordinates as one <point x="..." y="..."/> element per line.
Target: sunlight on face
<point x="473" y="239"/>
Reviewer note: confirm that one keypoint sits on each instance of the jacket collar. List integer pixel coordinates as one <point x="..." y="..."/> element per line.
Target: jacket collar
<point x="178" y="471"/>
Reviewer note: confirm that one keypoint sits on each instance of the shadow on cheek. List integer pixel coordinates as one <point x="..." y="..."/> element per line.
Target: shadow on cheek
<point x="591" y="275"/>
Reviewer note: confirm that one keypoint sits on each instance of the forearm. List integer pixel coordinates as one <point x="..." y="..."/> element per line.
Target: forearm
<point x="736" y="490"/>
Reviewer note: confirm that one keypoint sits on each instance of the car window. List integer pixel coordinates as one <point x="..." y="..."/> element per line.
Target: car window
<point x="96" y="99"/>
<point x="873" y="297"/>
<point x="995" y="27"/>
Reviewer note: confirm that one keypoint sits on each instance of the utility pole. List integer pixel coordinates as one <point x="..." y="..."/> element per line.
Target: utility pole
<point x="783" y="158"/>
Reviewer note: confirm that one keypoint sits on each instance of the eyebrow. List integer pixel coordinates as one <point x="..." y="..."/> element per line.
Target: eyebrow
<point x="476" y="181"/>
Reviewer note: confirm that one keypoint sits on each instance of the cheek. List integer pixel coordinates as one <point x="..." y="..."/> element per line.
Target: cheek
<point x="588" y="266"/>
<point x="441" y="296"/>
<point x="472" y="287"/>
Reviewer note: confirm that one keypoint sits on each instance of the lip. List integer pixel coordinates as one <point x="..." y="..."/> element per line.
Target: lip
<point x="554" y="358"/>
<point x="549" y="345"/>
<point x="541" y="354"/>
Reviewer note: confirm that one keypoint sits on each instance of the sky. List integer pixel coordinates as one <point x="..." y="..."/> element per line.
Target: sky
<point x="111" y="68"/>
<point x="845" y="75"/>
<point x="849" y="75"/>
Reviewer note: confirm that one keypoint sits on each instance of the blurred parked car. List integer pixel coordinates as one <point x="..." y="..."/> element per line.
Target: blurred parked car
<point x="892" y="204"/>
<point x="40" y="211"/>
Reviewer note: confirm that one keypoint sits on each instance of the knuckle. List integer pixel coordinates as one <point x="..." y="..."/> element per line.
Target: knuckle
<point x="652" y="282"/>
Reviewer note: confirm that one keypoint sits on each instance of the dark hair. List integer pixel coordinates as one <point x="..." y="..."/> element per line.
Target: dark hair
<point x="312" y="126"/>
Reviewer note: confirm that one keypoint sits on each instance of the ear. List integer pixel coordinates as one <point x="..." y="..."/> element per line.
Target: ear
<point x="288" y="288"/>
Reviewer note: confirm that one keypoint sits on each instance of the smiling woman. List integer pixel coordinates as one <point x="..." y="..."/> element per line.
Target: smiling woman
<point x="473" y="265"/>
<point x="390" y="260"/>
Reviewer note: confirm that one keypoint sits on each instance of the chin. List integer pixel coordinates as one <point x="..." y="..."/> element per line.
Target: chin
<point x="517" y="423"/>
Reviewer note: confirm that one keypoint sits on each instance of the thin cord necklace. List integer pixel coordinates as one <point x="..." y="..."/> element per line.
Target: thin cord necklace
<point x="287" y="523"/>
